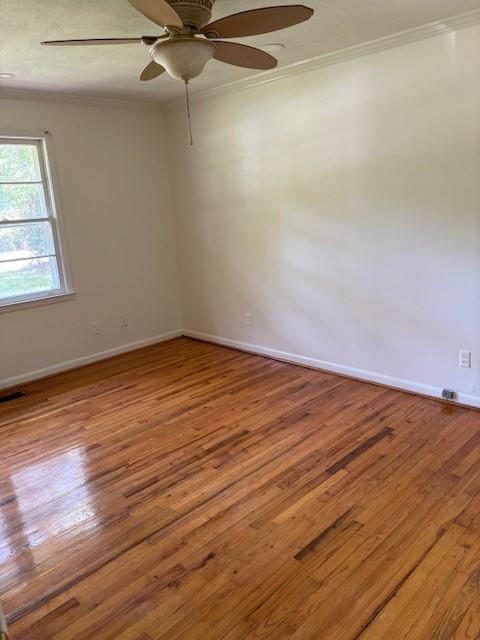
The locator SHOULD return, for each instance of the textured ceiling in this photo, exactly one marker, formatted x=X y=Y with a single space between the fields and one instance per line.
x=112 y=71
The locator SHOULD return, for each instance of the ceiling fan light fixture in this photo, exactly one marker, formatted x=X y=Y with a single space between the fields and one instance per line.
x=184 y=58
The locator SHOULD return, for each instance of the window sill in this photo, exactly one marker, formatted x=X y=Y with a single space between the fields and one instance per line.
x=36 y=302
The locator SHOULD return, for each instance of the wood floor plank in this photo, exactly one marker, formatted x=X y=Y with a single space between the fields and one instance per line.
x=188 y=491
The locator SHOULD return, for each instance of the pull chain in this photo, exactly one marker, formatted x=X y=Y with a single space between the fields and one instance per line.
x=188 y=114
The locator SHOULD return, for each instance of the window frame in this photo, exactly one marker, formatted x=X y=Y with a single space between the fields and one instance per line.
x=42 y=141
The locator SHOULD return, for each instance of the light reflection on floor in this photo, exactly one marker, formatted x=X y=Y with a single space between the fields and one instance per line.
x=52 y=497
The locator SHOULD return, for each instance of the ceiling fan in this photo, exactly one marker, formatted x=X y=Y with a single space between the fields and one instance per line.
x=190 y=40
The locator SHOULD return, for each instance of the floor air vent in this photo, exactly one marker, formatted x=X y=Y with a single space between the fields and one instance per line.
x=12 y=396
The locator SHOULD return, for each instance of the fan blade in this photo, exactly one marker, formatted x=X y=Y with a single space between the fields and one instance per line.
x=242 y=55
x=159 y=11
x=151 y=71
x=149 y=40
x=257 y=21
x=73 y=43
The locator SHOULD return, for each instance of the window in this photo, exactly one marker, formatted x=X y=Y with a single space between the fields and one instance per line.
x=32 y=263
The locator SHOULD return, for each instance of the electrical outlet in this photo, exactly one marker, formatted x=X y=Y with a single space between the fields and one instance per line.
x=123 y=320
x=465 y=359
x=249 y=319
x=96 y=328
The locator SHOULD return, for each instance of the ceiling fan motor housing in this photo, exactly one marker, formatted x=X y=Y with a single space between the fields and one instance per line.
x=194 y=13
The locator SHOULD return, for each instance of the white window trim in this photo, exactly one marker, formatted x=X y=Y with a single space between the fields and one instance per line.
x=52 y=197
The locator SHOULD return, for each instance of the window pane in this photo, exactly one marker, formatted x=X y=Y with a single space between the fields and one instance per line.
x=19 y=163
x=22 y=241
x=19 y=201
x=28 y=277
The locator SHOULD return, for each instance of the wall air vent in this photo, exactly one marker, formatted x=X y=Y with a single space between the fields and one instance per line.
x=448 y=394
x=12 y=396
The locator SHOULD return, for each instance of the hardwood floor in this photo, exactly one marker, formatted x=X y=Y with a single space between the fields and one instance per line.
x=188 y=491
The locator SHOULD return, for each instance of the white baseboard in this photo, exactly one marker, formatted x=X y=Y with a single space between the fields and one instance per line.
x=331 y=367
x=78 y=362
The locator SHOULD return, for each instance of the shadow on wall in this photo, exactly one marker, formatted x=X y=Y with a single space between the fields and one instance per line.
x=339 y=208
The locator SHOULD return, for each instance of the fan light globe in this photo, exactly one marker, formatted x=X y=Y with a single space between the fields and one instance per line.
x=183 y=58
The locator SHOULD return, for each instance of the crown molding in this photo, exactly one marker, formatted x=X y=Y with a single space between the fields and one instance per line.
x=32 y=95
x=439 y=27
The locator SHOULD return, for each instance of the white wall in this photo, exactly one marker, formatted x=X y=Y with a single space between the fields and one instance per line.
x=341 y=207
x=115 y=199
